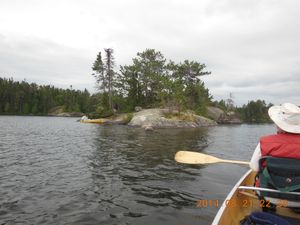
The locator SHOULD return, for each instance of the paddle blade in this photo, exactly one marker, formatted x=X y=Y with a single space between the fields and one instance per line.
x=195 y=158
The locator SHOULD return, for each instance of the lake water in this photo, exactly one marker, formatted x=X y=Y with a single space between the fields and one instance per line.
x=59 y=171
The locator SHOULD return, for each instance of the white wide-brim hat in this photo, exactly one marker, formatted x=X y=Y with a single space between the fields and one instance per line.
x=286 y=117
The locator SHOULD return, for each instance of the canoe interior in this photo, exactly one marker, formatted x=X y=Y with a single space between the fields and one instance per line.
x=239 y=205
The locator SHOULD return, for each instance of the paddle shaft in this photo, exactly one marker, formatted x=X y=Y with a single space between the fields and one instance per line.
x=200 y=158
x=234 y=161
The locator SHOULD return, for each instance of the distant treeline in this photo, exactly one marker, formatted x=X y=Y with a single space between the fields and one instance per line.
x=23 y=98
x=252 y=112
x=255 y=112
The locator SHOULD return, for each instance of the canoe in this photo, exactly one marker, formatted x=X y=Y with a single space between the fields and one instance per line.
x=241 y=201
x=98 y=121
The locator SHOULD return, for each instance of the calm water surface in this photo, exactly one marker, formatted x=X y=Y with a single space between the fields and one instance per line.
x=59 y=171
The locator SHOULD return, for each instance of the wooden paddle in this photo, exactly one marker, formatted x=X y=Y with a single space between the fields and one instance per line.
x=200 y=158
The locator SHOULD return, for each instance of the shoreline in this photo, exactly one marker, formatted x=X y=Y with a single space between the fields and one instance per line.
x=40 y=115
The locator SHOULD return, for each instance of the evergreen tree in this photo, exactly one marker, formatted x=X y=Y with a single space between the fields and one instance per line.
x=143 y=79
x=99 y=75
x=255 y=112
x=24 y=98
x=105 y=77
x=150 y=82
x=109 y=64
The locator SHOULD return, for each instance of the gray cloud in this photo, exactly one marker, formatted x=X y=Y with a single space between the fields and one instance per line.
x=251 y=47
x=44 y=62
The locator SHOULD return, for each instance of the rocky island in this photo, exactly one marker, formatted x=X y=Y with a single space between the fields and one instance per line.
x=150 y=119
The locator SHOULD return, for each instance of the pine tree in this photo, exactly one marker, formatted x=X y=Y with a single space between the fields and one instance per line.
x=99 y=75
x=109 y=64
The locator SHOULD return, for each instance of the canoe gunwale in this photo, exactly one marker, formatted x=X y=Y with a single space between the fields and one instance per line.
x=229 y=196
x=232 y=215
x=266 y=190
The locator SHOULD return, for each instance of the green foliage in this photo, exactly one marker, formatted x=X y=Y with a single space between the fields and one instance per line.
x=201 y=110
x=100 y=113
x=106 y=113
x=104 y=74
x=26 y=109
x=23 y=98
x=100 y=109
x=128 y=118
x=34 y=109
x=142 y=81
x=188 y=117
x=76 y=108
x=7 y=107
x=151 y=82
x=220 y=104
x=189 y=72
x=255 y=112
x=98 y=68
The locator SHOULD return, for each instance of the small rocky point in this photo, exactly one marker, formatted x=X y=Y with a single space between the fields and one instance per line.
x=150 y=119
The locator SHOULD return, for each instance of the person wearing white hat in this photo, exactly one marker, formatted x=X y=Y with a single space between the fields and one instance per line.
x=286 y=143
x=284 y=147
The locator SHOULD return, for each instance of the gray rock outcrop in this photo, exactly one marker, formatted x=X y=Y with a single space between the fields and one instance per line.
x=222 y=117
x=214 y=112
x=155 y=118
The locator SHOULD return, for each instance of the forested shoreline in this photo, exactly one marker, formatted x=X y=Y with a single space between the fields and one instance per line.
x=23 y=98
x=151 y=81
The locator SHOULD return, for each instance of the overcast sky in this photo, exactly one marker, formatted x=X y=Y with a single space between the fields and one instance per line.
x=252 y=47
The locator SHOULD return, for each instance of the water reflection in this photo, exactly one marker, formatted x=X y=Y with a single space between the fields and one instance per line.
x=58 y=171
x=133 y=170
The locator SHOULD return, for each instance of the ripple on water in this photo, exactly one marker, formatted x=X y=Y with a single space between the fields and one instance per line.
x=58 y=171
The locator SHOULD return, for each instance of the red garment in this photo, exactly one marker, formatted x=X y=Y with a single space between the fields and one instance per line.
x=284 y=145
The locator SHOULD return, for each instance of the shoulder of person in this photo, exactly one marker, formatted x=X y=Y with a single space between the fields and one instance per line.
x=280 y=136
x=268 y=137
